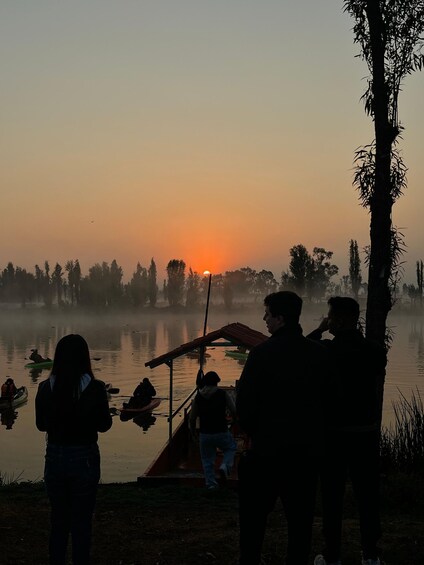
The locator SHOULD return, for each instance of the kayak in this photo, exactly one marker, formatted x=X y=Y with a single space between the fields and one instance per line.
x=19 y=398
x=111 y=389
x=240 y=355
x=47 y=364
x=130 y=413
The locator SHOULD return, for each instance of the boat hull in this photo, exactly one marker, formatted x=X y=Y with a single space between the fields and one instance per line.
x=130 y=413
x=19 y=398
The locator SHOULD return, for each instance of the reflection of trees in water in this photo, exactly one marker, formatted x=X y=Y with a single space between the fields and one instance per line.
x=152 y=338
x=174 y=334
x=193 y=327
x=19 y=334
x=416 y=337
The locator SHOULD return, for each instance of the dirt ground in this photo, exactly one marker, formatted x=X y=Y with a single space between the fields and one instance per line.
x=186 y=526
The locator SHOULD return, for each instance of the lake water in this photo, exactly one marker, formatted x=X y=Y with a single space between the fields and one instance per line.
x=124 y=343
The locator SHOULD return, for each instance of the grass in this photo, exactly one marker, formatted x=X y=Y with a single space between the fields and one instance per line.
x=187 y=526
x=402 y=444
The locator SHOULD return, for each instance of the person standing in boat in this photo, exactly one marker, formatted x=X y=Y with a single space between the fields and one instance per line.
x=8 y=389
x=352 y=429
x=278 y=407
x=72 y=407
x=211 y=405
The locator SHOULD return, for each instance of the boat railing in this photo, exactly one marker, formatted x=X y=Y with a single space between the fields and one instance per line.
x=181 y=406
x=173 y=413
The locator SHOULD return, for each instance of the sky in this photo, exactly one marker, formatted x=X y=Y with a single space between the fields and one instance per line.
x=218 y=132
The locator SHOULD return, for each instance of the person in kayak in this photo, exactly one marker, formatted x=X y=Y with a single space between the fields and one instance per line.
x=8 y=389
x=35 y=357
x=142 y=395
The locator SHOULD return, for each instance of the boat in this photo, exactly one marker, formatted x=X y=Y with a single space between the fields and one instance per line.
x=111 y=389
x=46 y=364
x=126 y=414
x=236 y=354
x=196 y=354
x=179 y=462
x=20 y=397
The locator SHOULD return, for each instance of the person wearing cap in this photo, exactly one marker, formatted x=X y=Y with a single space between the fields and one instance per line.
x=210 y=405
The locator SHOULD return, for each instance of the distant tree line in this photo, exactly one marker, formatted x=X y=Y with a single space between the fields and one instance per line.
x=310 y=274
x=66 y=286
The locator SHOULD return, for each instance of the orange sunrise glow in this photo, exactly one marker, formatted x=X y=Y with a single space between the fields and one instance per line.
x=222 y=140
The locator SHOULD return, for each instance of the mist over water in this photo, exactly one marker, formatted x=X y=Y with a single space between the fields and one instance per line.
x=120 y=344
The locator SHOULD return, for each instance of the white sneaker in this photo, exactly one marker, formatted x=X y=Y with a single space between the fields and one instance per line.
x=371 y=561
x=320 y=560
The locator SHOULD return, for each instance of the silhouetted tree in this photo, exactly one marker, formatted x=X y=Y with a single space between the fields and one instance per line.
x=138 y=286
x=74 y=279
x=420 y=275
x=193 y=289
x=319 y=272
x=354 y=268
x=390 y=35
x=228 y=294
x=240 y=281
x=152 y=284
x=24 y=285
x=57 y=281
x=176 y=278
x=265 y=283
x=114 y=286
x=299 y=268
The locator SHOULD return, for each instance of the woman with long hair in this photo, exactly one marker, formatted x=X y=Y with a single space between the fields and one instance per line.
x=72 y=407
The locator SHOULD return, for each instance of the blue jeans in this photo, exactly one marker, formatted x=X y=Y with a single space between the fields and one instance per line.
x=291 y=475
x=71 y=476
x=353 y=455
x=208 y=445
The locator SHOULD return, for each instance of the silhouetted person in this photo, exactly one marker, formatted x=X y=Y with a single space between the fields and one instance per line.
x=352 y=429
x=211 y=405
x=35 y=357
x=72 y=407
x=278 y=406
x=8 y=389
x=143 y=394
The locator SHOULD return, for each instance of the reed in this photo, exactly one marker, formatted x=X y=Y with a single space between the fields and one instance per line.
x=402 y=443
x=7 y=479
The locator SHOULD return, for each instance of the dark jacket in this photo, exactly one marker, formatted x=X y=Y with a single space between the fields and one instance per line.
x=279 y=392
x=91 y=415
x=357 y=367
x=211 y=405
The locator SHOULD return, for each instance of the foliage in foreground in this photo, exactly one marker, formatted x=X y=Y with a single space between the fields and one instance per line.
x=402 y=443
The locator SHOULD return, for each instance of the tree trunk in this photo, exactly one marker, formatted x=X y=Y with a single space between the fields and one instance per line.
x=379 y=298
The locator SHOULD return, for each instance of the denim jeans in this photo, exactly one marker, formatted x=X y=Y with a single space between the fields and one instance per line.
x=208 y=445
x=71 y=476
x=355 y=456
x=290 y=475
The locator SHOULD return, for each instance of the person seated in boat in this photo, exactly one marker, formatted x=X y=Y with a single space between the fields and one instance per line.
x=211 y=405
x=8 y=389
x=142 y=395
x=36 y=357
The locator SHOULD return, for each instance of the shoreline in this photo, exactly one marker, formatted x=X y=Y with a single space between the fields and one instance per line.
x=170 y=525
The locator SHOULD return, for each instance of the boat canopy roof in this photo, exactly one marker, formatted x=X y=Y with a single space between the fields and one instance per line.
x=236 y=333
